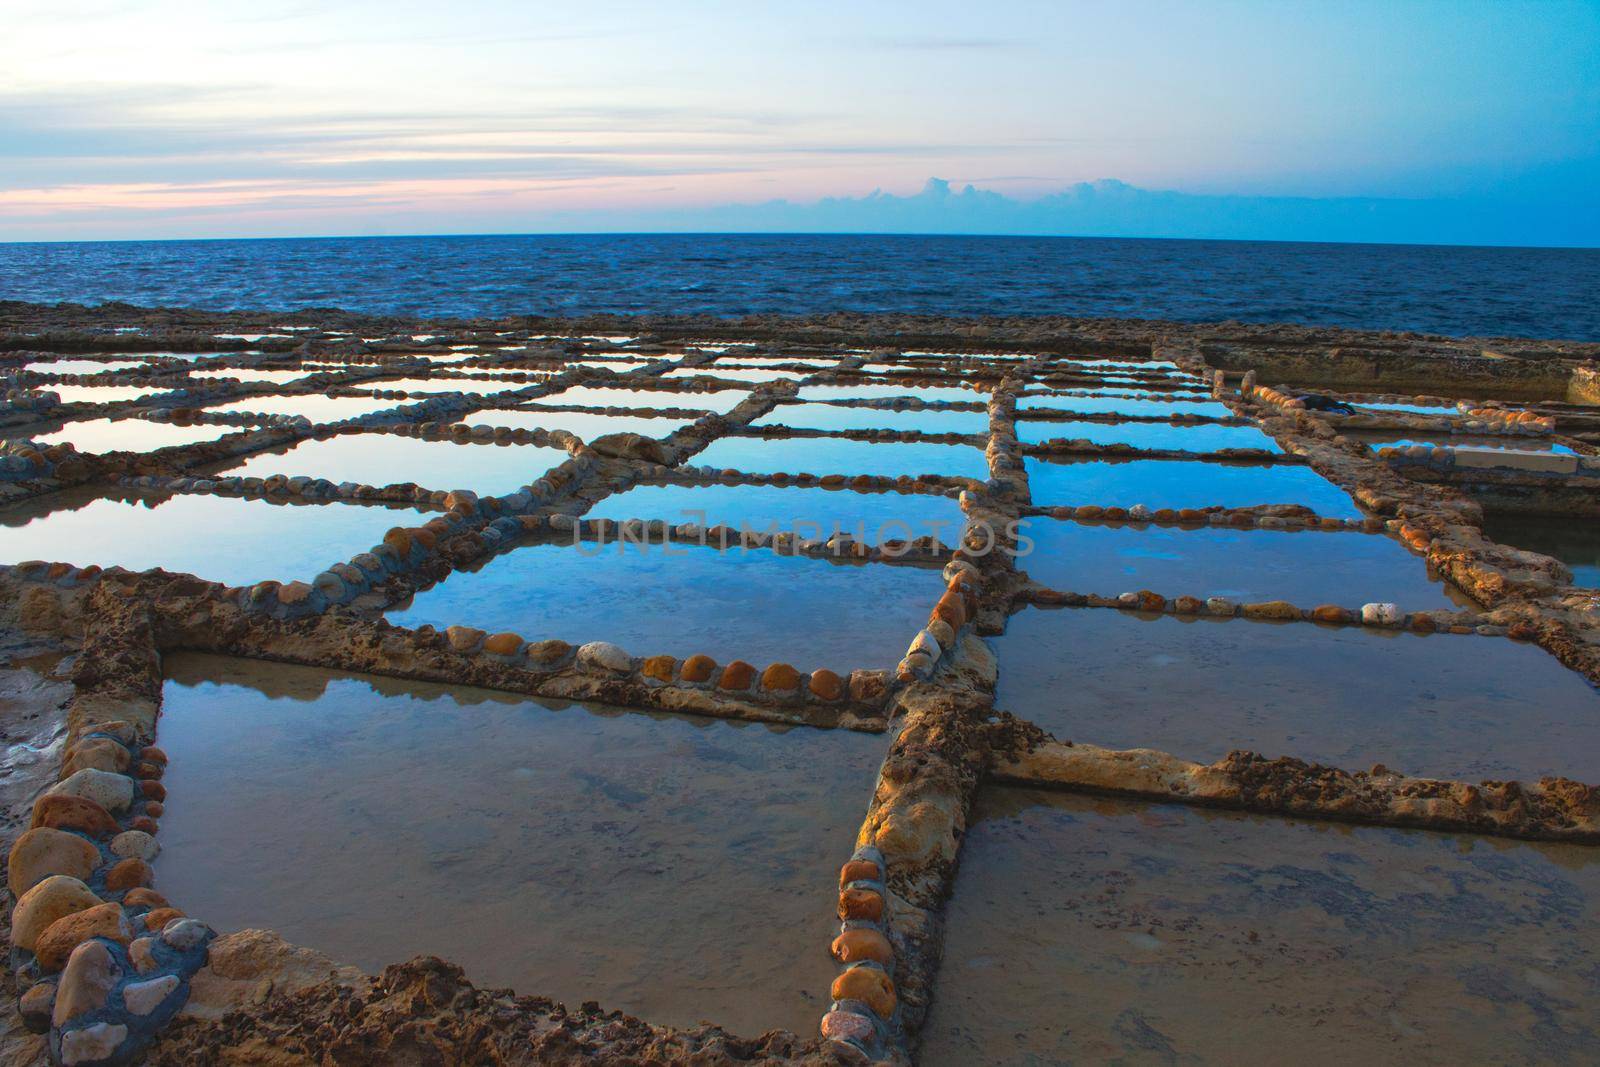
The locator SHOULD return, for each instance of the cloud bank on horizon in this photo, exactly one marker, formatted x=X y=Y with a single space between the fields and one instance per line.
x=1434 y=121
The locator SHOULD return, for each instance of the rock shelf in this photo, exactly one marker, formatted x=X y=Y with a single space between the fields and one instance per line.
x=493 y=455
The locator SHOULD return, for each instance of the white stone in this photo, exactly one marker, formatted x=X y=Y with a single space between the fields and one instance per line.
x=1221 y=605
x=135 y=844
x=185 y=934
x=142 y=998
x=114 y=792
x=91 y=1043
x=603 y=655
x=1381 y=614
x=925 y=644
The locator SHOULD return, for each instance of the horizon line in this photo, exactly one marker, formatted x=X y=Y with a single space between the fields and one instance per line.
x=794 y=233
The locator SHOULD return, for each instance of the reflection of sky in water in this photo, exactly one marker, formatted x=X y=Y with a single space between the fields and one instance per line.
x=432 y=386
x=315 y=406
x=760 y=506
x=834 y=417
x=249 y=374
x=82 y=366
x=1124 y=405
x=131 y=435
x=720 y=400
x=221 y=539
x=527 y=820
x=876 y=390
x=754 y=604
x=1444 y=705
x=1429 y=947
x=832 y=455
x=586 y=425
x=103 y=394
x=1196 y=438
x=1421 y=409
x=1167 y=483
x=1491 y=442
x=385 y=459
x=752 y=375
x=1249 y=565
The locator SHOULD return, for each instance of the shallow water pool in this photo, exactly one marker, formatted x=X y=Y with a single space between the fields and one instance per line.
x=1159 y=435
x=808 y=511
x=1170 y=483
x=720 y=401
x=317 y=407
x=587 y=425
x=540 y=844
x=1491 y=442
x=840 y=455
x=221 y=539
x=812 y=416
x=132 y=435
x=1574 y=541
x=1122 y=405
x=1148 y=933
x=1445 y=705
x=381 y=459
x=1306 y=568
x=755 y=605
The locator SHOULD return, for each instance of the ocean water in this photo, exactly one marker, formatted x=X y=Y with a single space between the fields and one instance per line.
x=1452 y=290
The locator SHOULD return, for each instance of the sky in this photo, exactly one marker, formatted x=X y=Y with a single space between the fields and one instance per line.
x=1460 y=122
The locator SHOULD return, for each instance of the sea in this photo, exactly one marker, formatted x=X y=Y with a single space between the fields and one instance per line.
x=1485 y=292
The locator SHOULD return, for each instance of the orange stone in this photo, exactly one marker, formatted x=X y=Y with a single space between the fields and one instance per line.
x=1114 y=513
x=399 y=540
x=424 y=537
x=780 y=678
x=145 y=823
x=61 y=812
x=859 y=871
x=154 y=808
x=698 y=668
x=853 y=946
x=860 y=904
x=129 y=874
x=1330 y=613
x=144 y=898
x=951 y=609
x=868 y=985
x=1089 y=511
x=826 y=685
x=70 y=931
x=157 y=918
x=152 y=754
x=737 y=676
x=659 y=668
x=153 y=790
x=502 y=644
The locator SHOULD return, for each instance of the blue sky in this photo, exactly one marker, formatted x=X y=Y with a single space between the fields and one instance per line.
x=1460 y=122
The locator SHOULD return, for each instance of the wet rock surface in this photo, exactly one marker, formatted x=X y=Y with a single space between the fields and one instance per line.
x=426 y=1011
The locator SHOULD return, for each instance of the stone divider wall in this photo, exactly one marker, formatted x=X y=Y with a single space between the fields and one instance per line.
x=1553 y=809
